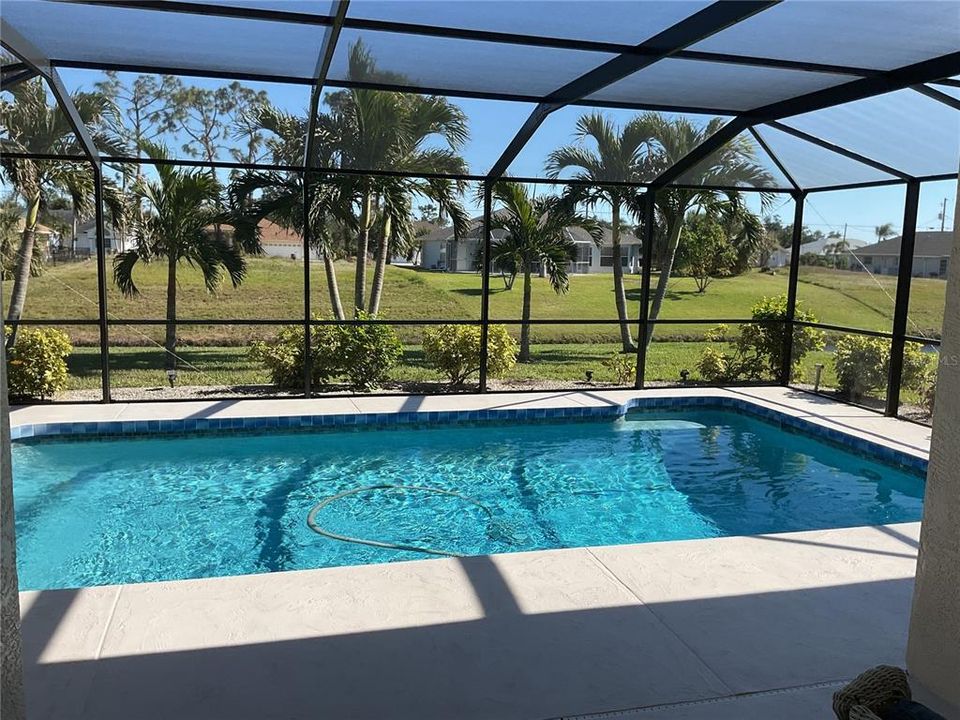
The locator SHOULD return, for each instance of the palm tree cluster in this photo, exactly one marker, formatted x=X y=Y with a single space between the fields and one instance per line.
x=188 y=217
x=354 y=213
x=636 y=153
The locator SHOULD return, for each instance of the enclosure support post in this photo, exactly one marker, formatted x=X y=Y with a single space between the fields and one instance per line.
x=101 y=283
x=307 y=354
x=649 y=223
x=795 y=241
x=907 y=244
x=485 y=282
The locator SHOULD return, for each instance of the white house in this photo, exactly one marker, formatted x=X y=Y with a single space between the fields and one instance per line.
x=781 y=256
x=441 y=251
x=87 y=239
x=278 y=242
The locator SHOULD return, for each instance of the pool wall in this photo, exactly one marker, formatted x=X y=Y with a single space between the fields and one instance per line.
x=125 y=428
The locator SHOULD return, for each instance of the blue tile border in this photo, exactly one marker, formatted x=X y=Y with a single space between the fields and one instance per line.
x=193 y=426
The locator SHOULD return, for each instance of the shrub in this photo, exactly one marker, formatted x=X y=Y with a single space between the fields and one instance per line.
x=37 y=364
x=363 y=354
x=368 y=353
x=758 y=351
x=713 y=366
x=282 y=356
x=454 y=351
x=863 y=365
x=624 y=367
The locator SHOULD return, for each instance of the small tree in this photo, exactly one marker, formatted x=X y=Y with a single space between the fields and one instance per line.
x=706 y=252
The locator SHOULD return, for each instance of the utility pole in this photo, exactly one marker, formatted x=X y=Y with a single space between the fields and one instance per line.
x=943 y=214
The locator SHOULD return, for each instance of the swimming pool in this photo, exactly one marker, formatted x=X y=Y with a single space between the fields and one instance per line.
x=145 y=508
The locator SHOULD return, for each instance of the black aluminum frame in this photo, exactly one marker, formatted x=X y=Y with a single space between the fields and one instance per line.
x=672 y=42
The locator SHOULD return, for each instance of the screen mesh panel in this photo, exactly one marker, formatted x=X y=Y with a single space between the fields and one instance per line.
x=616 y=21
x=880 y=35
x=692 y=83
x=812 y=166
x=905 y=130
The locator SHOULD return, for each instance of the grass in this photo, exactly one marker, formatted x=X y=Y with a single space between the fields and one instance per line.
x=563 y=353
x=272 y=291
x=568 y=362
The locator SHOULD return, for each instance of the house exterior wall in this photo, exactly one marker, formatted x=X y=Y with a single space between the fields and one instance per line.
x=933 y=649
x=284 y=251
x=924 y=267
x=436 y=255
x=87 y=240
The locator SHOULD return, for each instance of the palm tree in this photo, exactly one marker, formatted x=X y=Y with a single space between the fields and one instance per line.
x=619 y=156
x=884 y=231
x=34 y=126
x=535 y=232
x=180 y=213
x=279 y=196
x=667 y=141
x=380 y=130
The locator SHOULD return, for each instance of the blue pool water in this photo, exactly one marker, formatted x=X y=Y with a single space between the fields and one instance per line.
x=134 y=510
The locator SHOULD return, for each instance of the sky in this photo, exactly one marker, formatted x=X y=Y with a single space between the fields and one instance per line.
x=494 y=123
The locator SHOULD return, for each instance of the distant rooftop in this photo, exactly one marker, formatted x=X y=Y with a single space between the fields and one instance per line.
x=929 y=243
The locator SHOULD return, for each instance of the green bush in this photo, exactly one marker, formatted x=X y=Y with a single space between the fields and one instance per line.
x=368 y=353
x=454 y=351
x=624 y=367
x=282 y=356
x=362 y=354
x=757 y=353
x=863 y=365
x=37 y=364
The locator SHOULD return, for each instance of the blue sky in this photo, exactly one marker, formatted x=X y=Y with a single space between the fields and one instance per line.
x=493 y=124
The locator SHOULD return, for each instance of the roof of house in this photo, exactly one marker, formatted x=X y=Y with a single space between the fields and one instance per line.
x=929 y=243
x=273 y=234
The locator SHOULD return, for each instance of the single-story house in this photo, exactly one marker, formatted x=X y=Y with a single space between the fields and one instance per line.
x=279 y=242
x=931 y=255
x=781 y=256
x=87 y=239
x=440 y=251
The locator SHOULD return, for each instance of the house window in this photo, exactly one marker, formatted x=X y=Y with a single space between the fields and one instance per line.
x=943 y=266
x=868 y=259
x=606 y=257
x=584 y=253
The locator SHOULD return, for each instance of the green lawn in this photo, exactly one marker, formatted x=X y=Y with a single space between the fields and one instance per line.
x=564 y=362
x=273 y=291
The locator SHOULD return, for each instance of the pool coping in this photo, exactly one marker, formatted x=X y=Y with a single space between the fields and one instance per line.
x=570 y=406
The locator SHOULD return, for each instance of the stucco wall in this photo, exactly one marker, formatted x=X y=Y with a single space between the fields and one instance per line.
x=933 y=653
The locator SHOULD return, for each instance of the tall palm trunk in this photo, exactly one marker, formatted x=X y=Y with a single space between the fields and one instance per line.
x=619 y=292
x=363 y=243
x=383 y=254
x=21 y=277
x=666 y=268
x=525 y=317
x=170 y=342
x=331 y=271
x=11 y=663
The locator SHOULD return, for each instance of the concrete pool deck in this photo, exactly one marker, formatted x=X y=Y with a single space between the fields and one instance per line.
x=739 y=627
